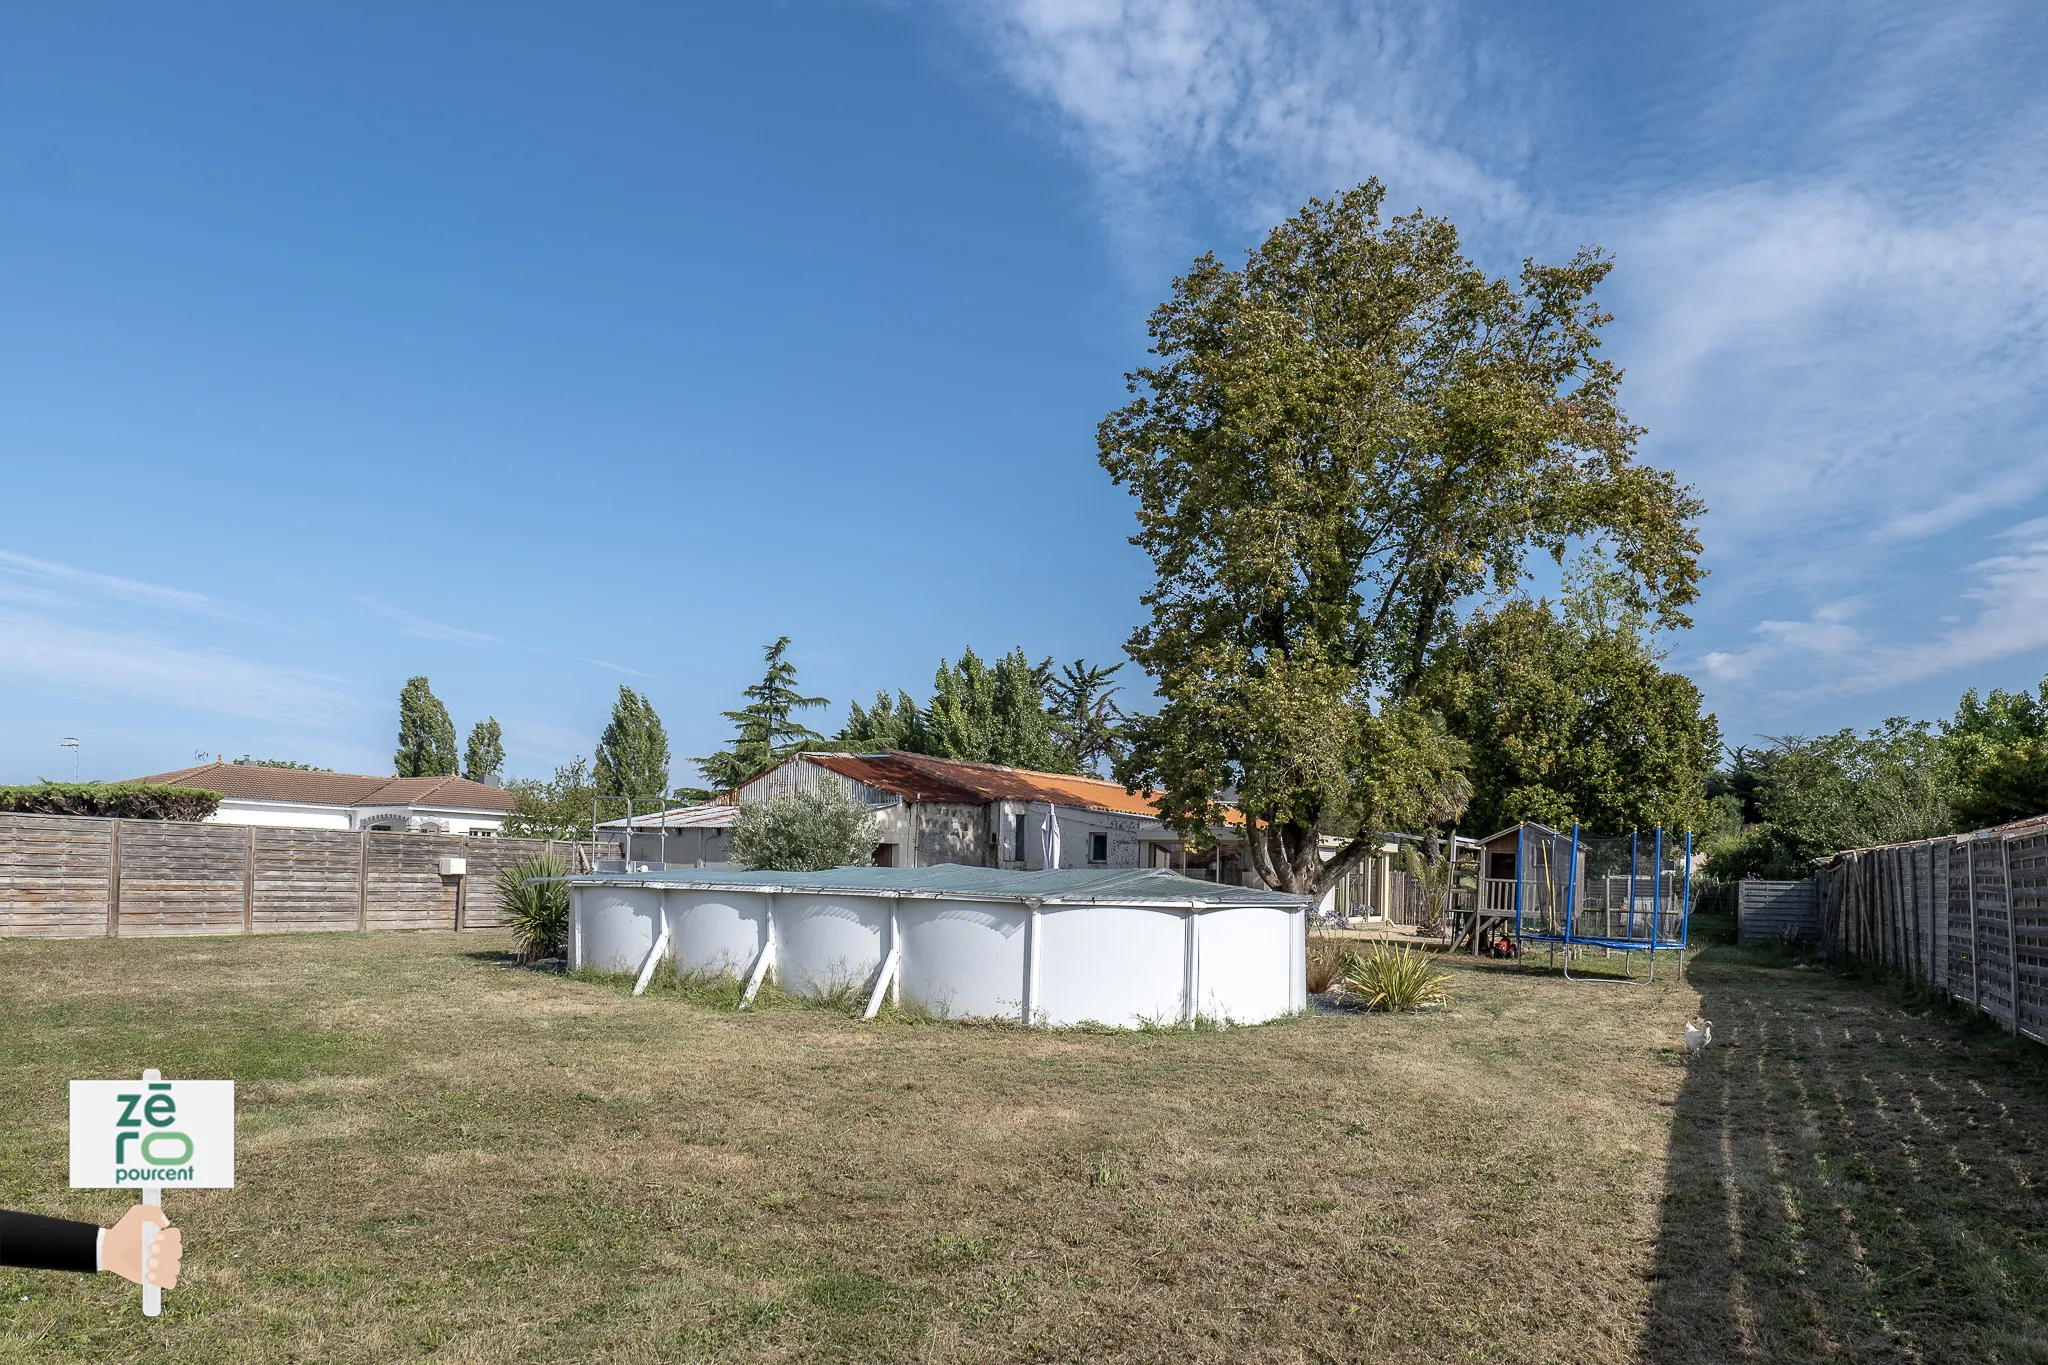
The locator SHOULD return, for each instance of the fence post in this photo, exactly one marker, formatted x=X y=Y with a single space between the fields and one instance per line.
x=363 y=884
x=114 y=882
x=249 y=883
x=2012 y=956
x=1970 y=889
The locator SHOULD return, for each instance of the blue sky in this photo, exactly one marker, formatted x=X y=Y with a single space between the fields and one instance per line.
x=545 y=349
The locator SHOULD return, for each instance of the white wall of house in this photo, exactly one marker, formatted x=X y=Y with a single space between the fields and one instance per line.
x=286 y=814
x=236 y=810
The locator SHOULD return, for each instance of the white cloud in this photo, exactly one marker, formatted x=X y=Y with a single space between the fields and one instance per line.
x=67 y=655
x=411 y=623
x=1832 y=279
x=128 y=589
x=1236 y=106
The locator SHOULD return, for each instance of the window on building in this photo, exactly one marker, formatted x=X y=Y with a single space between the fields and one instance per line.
x=1023 y=831
x=885 y=855
x=1098 y=848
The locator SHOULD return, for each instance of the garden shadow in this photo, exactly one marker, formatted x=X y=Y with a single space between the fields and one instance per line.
x=1852 y=1176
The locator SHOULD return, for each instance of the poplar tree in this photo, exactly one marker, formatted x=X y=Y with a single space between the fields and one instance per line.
x=632 y=753
x=484 y=756
x=426 y=736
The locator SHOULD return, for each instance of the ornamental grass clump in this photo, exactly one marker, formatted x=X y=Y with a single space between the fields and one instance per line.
x=1394 y=980
x=536 y=911
x=1325 y=965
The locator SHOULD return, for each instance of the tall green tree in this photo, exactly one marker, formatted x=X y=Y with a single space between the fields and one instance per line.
x=1570 y=716
x=891 y=723
x=992 y=713
x=426 y=737
x=1340 y=443
x=632 y=753
x=1997 y=747
x=483 y=758
x=768 y=730
x=1086 y=721
x=1818 y=795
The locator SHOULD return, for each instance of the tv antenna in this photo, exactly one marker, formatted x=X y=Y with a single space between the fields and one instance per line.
x=71 y=743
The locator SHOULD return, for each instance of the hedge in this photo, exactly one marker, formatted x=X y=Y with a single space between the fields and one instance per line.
x=122 y=800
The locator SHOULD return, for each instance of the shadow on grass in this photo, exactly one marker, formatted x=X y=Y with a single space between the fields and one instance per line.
x=1856 y=1173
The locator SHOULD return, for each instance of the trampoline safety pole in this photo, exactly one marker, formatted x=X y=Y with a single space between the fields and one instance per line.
x=1656 y=895
x=1571 y=895
x=1634 y=838
x=1685 y=910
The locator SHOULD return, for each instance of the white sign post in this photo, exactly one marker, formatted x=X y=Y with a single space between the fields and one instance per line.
x=148 y=1134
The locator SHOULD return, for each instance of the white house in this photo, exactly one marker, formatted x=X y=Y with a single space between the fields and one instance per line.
x=294 y=797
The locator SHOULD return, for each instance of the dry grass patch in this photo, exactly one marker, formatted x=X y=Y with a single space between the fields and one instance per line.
x=448 y=1158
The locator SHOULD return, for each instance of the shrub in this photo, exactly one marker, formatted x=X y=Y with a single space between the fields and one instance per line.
x=804 y=832
x=1395 y=980
x=120 y=800
x=1325 y=965
x=536 y=911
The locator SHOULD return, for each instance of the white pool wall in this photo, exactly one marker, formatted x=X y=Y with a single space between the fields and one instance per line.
x=1122 y=965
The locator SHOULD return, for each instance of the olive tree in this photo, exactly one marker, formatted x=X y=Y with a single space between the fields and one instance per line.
x=1336 y=445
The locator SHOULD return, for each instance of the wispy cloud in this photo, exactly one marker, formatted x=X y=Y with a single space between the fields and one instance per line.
x=1832 y=292
x=62 y=654
x=1234 y=107
x=410 y=623
x=127 y=589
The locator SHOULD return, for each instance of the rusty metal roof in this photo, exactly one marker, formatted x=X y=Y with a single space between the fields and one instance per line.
x=921 y=777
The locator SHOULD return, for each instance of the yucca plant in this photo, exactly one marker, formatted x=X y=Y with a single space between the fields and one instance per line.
x=537 y=912
x=1395 y=980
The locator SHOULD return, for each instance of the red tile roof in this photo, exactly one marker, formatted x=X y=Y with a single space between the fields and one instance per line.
x=920 y=777
x=247 y=782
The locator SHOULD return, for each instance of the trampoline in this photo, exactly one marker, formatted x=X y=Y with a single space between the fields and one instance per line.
x=1629 y=894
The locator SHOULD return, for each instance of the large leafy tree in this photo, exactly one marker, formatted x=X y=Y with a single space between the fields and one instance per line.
x=426 y=736
x=632 y=753
x=560 y=807
x=483 y=758
x=768 y=728
x=1818 y=795
x=1570 y=716
x=891 y=723
x=1997 y=746
x=1338 y=444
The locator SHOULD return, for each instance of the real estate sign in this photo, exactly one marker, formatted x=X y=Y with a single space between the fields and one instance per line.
x=152 y=1133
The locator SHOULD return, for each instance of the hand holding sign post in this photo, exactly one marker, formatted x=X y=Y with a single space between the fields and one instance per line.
x=148 y=1135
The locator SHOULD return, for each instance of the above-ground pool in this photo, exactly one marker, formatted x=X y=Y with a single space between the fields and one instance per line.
x=1114 y=947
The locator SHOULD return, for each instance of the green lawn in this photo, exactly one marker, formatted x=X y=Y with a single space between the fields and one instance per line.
x=446 y=1158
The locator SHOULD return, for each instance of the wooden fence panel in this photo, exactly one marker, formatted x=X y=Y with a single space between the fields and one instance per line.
x=181 y=878
x=1771 y=911
x=407 y=890
x=54 y=875
x=78 y=877
x=2029 y=864
x=307 y=879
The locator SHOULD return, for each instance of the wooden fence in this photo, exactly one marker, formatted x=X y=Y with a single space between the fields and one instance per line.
x=1967 y=914
x=84 y=877
x=1768 y=912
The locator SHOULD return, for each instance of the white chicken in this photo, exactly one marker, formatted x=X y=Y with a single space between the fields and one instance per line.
x=1698 y=1034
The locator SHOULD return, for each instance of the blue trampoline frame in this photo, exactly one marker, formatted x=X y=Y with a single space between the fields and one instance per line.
x=1630 y=945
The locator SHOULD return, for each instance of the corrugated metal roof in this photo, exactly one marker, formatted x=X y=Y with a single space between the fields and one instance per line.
x=711 y=815
x=1067 y=886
